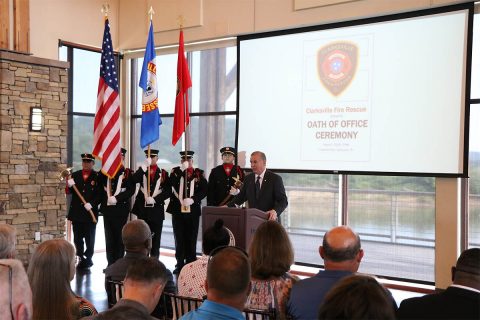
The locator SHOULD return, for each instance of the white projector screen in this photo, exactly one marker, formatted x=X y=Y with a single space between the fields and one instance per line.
x=384 y=96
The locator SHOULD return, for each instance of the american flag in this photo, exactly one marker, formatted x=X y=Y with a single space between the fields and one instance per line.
x=106 y=138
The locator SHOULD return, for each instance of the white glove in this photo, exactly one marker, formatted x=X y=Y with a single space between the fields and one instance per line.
x=87 y=206
x=70 y=182
x=111 y=201
x=188 y=202
x=184 y=165
x=150 y=200
x=234 y=191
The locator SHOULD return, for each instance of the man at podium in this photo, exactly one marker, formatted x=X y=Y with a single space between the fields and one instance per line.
x=263 y=189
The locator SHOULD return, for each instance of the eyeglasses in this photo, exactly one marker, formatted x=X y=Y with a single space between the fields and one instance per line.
x=10 y=285
x=220 y=248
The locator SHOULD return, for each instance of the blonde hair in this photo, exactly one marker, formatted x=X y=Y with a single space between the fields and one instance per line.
x=50 y=272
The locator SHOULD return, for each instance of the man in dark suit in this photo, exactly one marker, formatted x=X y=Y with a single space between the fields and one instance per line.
x=149 y=204
x=461 y=300
x=189 y=187
x=114 y=195
x=83 y=226
x=222 y=178
x=263 y=189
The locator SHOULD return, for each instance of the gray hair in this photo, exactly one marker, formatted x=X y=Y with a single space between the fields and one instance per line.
x=21 y=292
x=8 y=236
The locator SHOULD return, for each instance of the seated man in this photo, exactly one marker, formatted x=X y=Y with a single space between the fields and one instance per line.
x=143 y=286
x=461 y=300
x=8 y=236
x=228 y=284
x=15 y=293
x=341 y=253
x=137 y=239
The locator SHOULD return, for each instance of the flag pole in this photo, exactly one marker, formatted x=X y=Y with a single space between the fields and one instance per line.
x=187 y=136
x=150 y=13
x=105 y=10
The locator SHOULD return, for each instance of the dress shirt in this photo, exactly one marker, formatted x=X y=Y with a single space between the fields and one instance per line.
x=212 y=310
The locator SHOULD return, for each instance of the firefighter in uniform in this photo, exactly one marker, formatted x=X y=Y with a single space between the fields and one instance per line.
x=222 y=179
x=150 y=206
x=114 y=195
x=83 y=226
x=189 y=187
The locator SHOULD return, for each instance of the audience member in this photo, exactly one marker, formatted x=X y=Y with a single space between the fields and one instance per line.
x=51 y=268
x=227 y=286
x=357 y=297
x=15 y=293
x=8 y=237
x=461 y=300
x=143 y=286
x=191 y=282
x=137 y=240
x=271 y=255
x=341 y=252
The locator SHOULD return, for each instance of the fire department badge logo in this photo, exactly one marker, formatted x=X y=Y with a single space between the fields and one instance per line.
x=336 y=65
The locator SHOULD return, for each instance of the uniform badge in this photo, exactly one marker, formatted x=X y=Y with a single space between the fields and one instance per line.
x=336 y=65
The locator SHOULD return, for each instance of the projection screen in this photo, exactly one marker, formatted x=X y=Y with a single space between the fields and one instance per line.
x=384 y=95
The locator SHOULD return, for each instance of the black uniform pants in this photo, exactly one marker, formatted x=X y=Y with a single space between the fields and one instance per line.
x=156 y=228
x=113 y=236
x=84 y=231
x=185 y=231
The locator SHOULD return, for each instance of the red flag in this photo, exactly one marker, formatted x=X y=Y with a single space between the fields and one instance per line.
x=106 y=136
x=181 y=117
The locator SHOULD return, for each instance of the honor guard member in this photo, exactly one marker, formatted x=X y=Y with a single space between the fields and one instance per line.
x=222 y=179
x=189 y=187
x=83 y=226
x=114 y=195
x=149 y=206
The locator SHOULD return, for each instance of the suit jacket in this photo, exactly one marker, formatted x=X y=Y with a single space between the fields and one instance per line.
x=157 y=212
x=453 y=303
x=122 y=208
x=219 y=183
x=272 y=193
x=199 y=191
x=88 y=189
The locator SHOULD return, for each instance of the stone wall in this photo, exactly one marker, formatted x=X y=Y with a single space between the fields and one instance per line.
x=32 y=199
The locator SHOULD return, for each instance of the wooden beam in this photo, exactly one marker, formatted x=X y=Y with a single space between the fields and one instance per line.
x=4 y=24
x=21 y=13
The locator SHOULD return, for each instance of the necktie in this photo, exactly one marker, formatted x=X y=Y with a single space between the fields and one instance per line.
x=257 y=187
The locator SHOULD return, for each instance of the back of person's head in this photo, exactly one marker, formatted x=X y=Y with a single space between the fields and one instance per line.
x=144 y=282
x=215 y=236
x=357 y=297
x=271 y=252
x=15 y=293
x=8 y=236
x=146 y=270
x=136 y=236
x=467 y=269
x=341 y=249
x=228 y=272
x=51 y=268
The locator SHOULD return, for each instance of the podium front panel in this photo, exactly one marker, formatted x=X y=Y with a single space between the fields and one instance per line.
x=242 y=222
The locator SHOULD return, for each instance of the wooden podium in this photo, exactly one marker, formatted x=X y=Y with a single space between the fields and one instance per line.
x=241 y=221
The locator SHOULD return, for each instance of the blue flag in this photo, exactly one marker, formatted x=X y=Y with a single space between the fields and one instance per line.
x=150 y=130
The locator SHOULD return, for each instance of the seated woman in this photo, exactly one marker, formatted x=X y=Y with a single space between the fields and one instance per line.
x=191 y=281
x=271 y=255
x=357 y=297
x=50 y=271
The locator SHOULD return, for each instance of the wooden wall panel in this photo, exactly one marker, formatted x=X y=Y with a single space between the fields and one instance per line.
x=4 y=24
x=21 y=12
